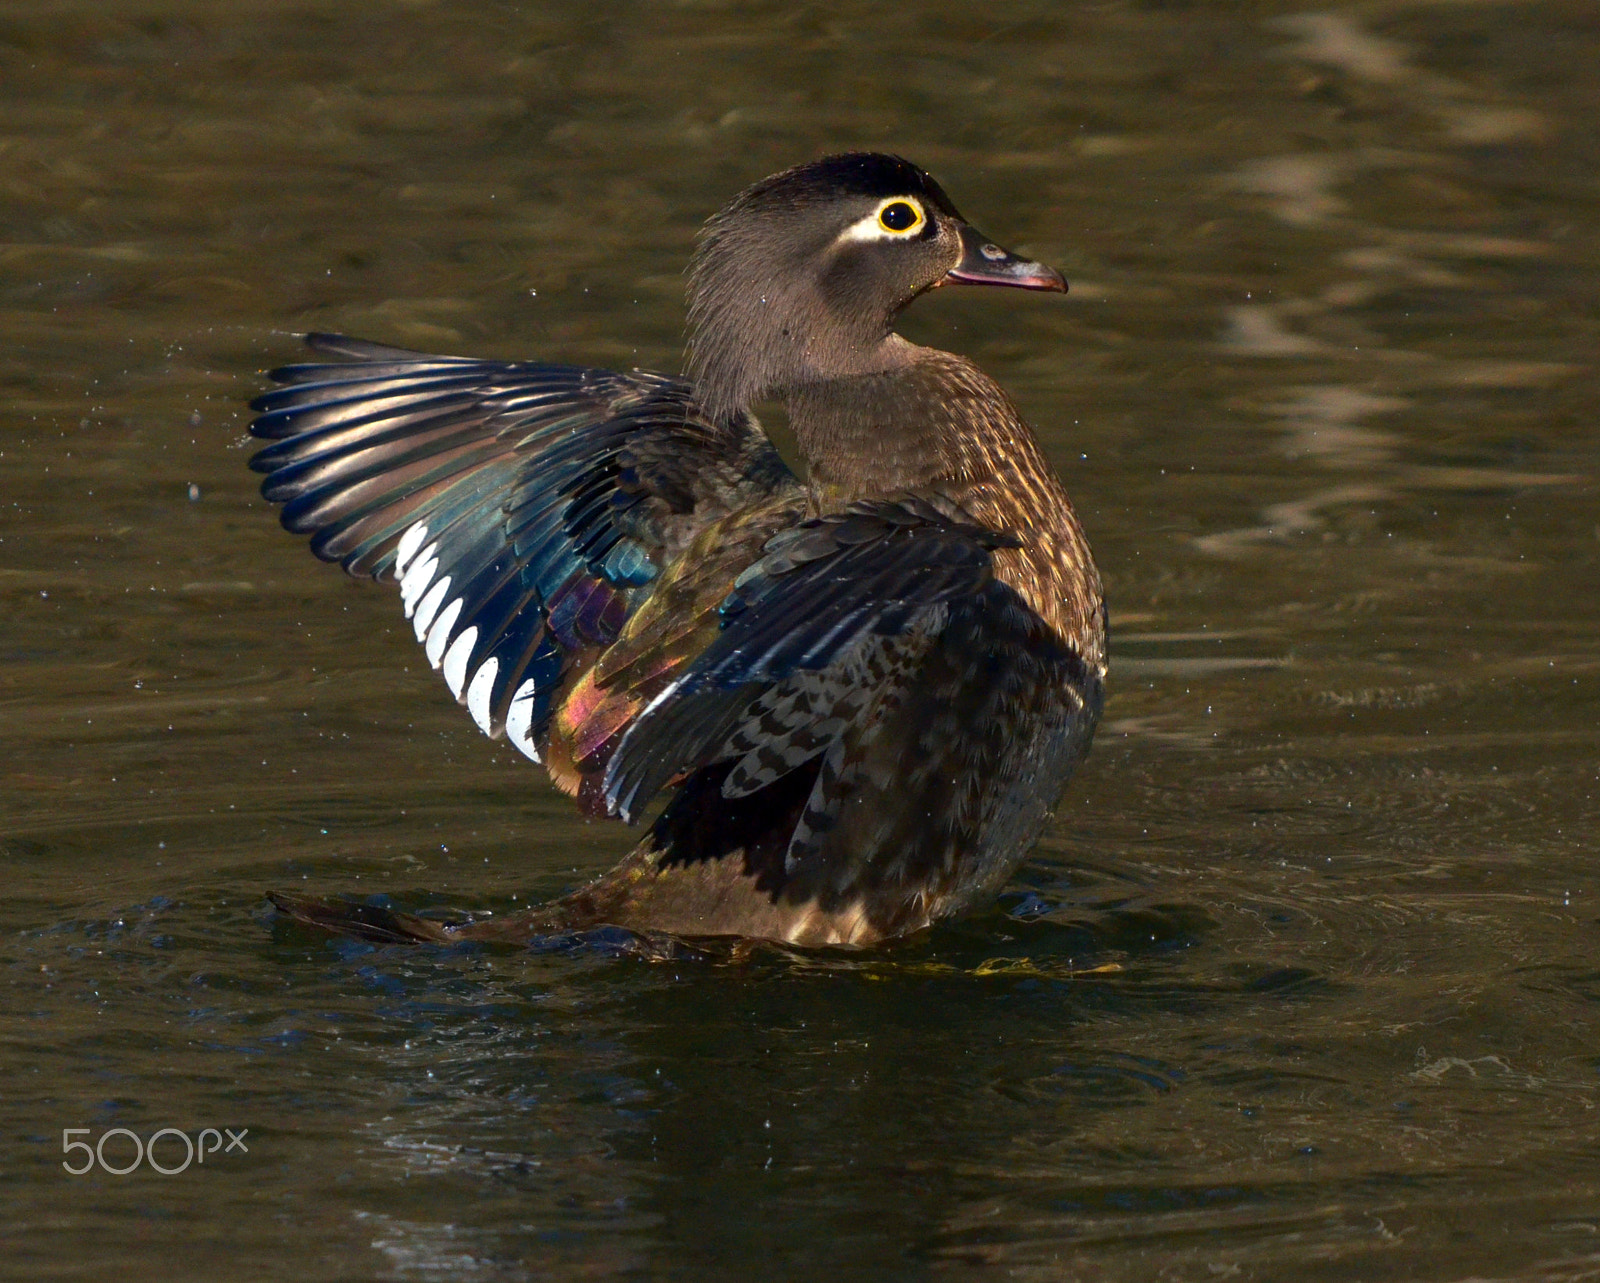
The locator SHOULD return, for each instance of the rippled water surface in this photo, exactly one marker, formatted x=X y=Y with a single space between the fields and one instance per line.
x=1301 y=983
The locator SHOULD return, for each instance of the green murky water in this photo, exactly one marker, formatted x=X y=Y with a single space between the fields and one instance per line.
x=1303 y=982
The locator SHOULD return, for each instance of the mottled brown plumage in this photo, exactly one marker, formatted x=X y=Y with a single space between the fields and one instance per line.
x=866 y=688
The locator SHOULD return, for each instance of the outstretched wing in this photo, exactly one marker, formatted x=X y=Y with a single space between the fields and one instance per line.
x=526 y=510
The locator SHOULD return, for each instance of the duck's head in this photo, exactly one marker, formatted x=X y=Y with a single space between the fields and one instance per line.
x=801 y=277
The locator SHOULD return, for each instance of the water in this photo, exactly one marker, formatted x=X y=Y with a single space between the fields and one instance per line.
x=1301 y=984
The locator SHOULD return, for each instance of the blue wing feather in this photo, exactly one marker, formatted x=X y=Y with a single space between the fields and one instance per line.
x=530 y=528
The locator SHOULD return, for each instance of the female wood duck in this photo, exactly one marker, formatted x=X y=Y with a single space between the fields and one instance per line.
x=864 y=689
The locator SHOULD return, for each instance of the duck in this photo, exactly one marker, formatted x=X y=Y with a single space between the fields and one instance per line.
x=841 y=700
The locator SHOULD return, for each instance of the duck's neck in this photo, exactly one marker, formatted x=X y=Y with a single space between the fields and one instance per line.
x=924 y=420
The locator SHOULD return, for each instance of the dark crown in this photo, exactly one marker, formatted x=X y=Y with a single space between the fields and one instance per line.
x=857 y=173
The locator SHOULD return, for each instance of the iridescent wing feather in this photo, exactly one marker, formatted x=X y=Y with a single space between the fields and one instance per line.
x=524 y=509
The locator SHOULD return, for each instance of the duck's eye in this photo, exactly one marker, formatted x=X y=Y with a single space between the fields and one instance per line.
x=899 y=216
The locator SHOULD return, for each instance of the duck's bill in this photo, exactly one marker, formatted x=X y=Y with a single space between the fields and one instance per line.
x=985 y=263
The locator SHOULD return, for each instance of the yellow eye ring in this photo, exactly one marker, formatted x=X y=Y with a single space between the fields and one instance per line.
x=900 y=216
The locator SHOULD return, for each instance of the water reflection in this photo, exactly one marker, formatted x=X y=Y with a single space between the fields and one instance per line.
x=1327 y=422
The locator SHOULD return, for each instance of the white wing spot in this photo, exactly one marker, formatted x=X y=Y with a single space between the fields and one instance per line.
x=409 y=543
x=481 y=692
x=454 y=666
x=439 y=634
x=519 y=721
x=428 y=607
x=418 y=577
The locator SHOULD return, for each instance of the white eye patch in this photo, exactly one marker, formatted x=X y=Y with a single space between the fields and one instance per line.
x=897 y=218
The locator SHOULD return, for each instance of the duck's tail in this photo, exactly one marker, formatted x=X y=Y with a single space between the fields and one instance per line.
x=358 y=919
x=576 y=919
x=364 y=921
